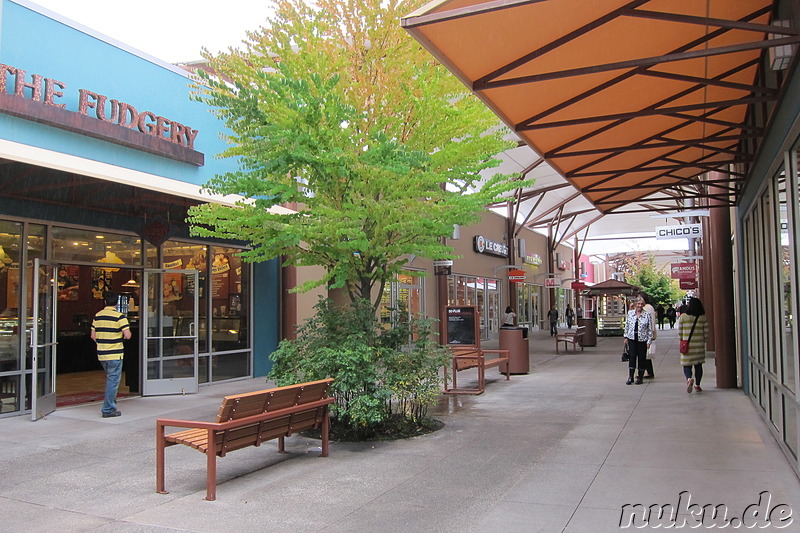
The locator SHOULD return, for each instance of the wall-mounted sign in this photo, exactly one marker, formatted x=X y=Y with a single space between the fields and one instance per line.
x=682 y=231
x=516 y=275
x=683 y=271
x=687 y=284
x=482 y=245
x=442 y=262
x=552 y=282
x=36 y=98
x=578 y=285
x=532 y=259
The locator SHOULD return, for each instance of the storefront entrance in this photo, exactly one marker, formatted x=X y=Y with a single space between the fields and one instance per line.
x=160 y=358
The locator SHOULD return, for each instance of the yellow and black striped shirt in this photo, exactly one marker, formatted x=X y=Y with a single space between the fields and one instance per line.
x=108 y=326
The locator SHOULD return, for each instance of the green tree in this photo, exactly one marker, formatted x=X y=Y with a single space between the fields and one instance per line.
x=644 y=273
x=336 y=111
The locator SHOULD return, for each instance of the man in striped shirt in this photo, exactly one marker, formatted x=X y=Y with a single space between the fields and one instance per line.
x=109 y=329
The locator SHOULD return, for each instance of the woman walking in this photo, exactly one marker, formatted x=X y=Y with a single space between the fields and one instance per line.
x=693 y=326
x=638 y=335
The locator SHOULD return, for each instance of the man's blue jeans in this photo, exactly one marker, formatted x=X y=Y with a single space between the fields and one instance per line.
x=113 y=374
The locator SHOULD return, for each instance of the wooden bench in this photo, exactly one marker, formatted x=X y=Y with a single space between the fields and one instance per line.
x=465 y=357
x=248 y=420
x=571 y=336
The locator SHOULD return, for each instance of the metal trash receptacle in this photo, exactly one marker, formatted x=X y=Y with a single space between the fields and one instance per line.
x=590 y=333
x=515 y=340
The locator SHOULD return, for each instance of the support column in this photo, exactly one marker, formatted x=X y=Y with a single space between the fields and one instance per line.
x=707 y=281
x=724 y=320
x=289 y=307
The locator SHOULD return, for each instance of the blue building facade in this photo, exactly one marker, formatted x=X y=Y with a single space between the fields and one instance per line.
x=102 y=151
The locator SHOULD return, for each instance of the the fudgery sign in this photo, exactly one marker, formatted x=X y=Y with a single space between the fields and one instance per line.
x=34 y=97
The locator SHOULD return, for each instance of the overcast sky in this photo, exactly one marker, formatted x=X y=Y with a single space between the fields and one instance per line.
x=171 y=30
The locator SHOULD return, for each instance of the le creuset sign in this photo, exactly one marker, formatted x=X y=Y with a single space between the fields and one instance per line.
x=482 y=245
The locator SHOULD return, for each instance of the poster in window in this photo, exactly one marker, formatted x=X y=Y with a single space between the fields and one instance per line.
x=67 y=280
x=220 y=276
x=101 y=282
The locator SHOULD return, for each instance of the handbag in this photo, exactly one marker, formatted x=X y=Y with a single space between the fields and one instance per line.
x=684 y=345
x=625 y=355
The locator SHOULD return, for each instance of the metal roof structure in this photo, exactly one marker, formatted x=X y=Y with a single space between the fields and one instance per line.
x=625 y=108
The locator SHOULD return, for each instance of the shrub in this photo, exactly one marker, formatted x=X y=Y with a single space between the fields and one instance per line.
x=385 y=378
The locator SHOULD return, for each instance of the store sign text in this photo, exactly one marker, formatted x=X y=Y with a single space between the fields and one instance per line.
x=486 y=246
x=683 y=231
x=44 y=104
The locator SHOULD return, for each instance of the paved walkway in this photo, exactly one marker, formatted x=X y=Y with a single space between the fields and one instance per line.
x=561 y=449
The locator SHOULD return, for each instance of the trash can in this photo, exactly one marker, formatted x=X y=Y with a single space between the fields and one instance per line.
x=590 y=333
x=515 y=340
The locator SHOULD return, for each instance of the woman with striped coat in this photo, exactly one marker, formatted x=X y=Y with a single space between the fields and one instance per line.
x=694 y=359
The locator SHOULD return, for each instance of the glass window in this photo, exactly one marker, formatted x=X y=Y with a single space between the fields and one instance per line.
x=188 y=256
x=406 y=294
x=230 y=290
x=95 y=247
x=785 y=264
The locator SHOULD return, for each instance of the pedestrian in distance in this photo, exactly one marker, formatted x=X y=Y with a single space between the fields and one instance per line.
x=638 y=335
x=693 y=326
x=109 y=329
x=660 y=315
x=570 y=315
x=671 y=316
x=552 y=316
x=509 y=317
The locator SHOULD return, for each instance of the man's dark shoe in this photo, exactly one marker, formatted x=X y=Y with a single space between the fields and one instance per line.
x=111 y=415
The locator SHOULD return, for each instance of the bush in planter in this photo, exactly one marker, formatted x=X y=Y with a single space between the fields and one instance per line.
x=385 y=379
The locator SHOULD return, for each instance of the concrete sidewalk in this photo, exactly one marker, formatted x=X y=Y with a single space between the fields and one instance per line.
x=561 y=449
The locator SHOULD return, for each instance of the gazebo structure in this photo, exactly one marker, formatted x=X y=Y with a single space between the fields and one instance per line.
x=610 y=302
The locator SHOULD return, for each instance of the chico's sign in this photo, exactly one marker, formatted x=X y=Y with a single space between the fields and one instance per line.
x=682 y=231
x=41 y=101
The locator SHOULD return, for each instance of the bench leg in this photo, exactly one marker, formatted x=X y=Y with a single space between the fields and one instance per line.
x=160 y=460
x=326 y=423
x=281 y=445
x=211 y=468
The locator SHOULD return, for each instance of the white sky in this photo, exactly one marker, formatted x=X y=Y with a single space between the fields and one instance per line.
x=171 y=30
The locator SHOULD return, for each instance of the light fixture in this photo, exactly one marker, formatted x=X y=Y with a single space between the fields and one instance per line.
x=132 y=283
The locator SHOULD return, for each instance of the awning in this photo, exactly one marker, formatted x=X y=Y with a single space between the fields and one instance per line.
x=630 y=101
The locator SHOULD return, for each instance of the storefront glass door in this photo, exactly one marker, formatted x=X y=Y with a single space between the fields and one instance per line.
x=169 y=327
x=43 y=340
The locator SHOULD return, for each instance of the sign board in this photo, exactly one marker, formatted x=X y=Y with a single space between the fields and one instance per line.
x=516 y=275
x=578 y=285
x=482 y=245
x=95 y=115
x=687 y=284
x=683 y=270
x=552 y=282
x=532 y=259
x=682 y=231
x=442 y=262
x=462 y=325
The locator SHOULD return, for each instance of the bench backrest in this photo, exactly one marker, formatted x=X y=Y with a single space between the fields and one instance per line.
x=465 y=356
x=255 y=403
